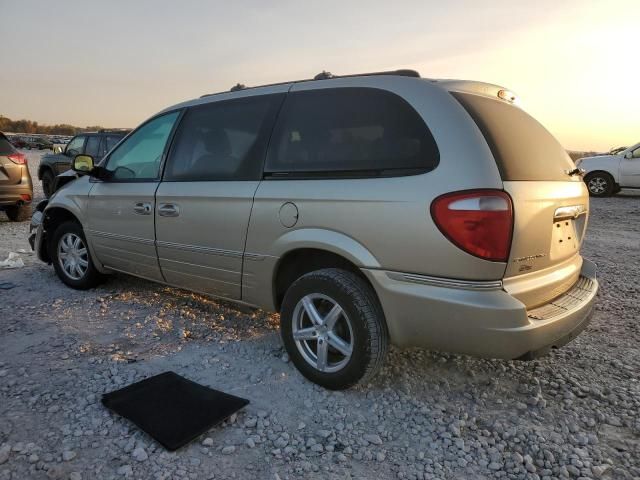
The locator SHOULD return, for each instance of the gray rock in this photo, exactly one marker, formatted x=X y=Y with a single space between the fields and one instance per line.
x=207 y=442
x=228 y=450
x=68 y=455
x=5 y=450
x=140 y=454
x=125 y=470
x=373 y=438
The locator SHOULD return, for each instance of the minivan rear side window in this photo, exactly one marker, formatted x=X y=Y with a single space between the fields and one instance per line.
x=224 y=140
x=350 y=132
x=6 y=148
x=523 y=149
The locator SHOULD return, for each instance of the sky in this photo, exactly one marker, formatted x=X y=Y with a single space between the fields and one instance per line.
x=574 y=64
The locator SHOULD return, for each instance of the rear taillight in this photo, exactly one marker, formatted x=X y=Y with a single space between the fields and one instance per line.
x=18 y=158
x=480 y=222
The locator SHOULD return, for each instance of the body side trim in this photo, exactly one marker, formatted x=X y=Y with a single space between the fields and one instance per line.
x=446 y=282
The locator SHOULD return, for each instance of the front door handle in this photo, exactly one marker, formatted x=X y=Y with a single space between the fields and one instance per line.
x=168 y=210
x=142 y=208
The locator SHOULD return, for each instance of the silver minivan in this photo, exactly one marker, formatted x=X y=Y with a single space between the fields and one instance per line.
x=368 y=210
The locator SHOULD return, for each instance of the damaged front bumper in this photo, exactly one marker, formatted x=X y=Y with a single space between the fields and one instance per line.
x=37 y=234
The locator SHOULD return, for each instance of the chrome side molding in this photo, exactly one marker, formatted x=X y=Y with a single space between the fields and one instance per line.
x=446 y=282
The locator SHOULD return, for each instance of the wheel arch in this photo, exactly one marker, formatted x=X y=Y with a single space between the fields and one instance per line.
x=312 y=252
x=57 y=214
x=613 y=175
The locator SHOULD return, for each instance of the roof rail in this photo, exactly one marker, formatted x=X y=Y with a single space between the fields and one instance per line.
x=324 y=75
x=114 y=130
x=400 y=73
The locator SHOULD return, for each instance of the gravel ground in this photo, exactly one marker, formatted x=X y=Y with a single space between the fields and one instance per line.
x=574 y=413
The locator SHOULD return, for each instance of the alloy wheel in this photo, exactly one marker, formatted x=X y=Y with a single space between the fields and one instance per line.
x=597 y=185
x=322 y=332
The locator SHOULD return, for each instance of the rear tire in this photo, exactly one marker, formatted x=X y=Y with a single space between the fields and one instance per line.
x=47 y=183
x=600 y=184
x=19 y=213
x=336 y=351
x=71 y=258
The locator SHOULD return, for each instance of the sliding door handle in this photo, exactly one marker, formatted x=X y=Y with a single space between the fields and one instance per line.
x=142 y=208
x=168 y=210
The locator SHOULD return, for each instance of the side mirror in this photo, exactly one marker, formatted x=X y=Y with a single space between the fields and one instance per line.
x=628 y=155
x=82 y=164
x=57 y=150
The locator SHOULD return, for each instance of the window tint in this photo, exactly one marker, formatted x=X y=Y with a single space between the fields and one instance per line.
x=224 y=140
x=344 y=130
x=92 y=146
x=523 y=149
x=74 y=147
x=138 y=158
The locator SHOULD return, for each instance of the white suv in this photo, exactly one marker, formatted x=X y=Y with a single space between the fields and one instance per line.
x=607 y=174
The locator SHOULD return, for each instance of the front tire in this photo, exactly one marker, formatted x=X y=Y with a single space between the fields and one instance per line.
x=19 y=213
x=47 y=183
x=333 y=328
x=71 y=257
x=600 y=184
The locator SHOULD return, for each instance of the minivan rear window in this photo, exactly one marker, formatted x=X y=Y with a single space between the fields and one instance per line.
x=350 y=131
x=6 y=148
x=523 y=149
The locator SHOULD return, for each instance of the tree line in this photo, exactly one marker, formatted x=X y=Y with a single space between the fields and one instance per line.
x=29 y=126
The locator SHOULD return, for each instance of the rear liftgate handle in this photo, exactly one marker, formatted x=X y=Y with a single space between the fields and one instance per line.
x=168 y=210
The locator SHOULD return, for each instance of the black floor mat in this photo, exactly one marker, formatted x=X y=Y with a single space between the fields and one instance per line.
x=172 y=409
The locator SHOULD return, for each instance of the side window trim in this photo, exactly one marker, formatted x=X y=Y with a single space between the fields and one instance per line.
x=158 y=178
x=101 y=147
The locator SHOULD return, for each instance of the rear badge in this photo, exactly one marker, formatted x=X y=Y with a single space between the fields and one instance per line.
x=529 y=257
x=525 y=268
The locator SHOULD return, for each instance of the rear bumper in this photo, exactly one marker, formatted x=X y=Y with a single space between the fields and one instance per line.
x=11 y=194
x=480 y=318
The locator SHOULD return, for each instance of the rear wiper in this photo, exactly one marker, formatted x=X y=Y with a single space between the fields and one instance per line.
x=575 y=171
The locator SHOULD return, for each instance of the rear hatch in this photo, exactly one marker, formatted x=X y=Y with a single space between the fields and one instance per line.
x=550 y=206
x=11 y=163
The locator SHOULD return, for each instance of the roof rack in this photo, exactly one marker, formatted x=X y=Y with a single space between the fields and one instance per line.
x=324 y=75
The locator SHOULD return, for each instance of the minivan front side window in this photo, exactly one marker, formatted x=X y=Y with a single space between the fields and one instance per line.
x=225 y=140
x=139 y=156
x=359 y=131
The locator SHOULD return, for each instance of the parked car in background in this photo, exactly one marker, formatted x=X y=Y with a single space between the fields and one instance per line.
x=608 y=174
x=96 y=144
x=38 y=143
x=368 y=210
x=59 y=142
x=18 y=142
x=16 y=190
